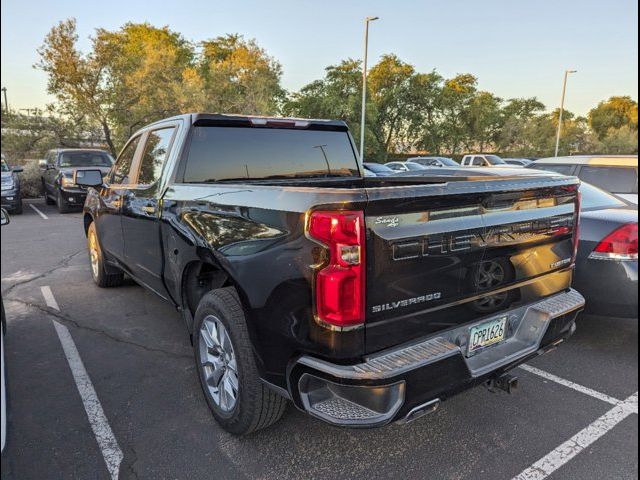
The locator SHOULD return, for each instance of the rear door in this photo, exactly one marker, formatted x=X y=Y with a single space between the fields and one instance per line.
x=441 y=260
x=140 y=209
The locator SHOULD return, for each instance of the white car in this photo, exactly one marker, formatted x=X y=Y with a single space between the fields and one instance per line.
x=484 y=160
x=405 y=166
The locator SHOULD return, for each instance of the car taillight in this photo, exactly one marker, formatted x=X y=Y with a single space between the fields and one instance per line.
x=621 y=244
x=340 y=281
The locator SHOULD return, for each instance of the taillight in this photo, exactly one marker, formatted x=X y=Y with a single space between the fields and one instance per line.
x=621 y=244
x=340 y=281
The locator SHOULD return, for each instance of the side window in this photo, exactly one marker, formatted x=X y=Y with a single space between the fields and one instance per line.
x=611 y=179
x=155 y=153
x=123 y=164
x=478 y=161
x=561 y=169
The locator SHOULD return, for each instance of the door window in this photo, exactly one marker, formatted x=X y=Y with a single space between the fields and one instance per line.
x=611 y=179
x=478 y=161
x=155 y=153
x=122 y=168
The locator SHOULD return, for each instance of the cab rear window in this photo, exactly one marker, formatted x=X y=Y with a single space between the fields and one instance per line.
x=611 y=179
x=246 y=153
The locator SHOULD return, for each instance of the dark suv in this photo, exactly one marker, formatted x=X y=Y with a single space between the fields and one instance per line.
x=11 y=197
x=58 y=168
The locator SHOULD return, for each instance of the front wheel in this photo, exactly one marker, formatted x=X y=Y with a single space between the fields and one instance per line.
x=238 y=399
x=96 y=257
x=63 y=207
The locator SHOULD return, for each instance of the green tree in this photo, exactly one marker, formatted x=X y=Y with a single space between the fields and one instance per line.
x=614 y=113
x=623 y=140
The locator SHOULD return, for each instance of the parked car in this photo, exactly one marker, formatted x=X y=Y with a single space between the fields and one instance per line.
x=616 y=174
x=483 y=160
x=58 y=168
x=11 y=195
x=362 y=300
x=434 y=161
x=518 y=162
x=607 y=264
x=378 y=169
x=405 y=166
x=3 y=389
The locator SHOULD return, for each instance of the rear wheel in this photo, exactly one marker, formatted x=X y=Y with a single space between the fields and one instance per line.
x=96 y=258
x=18 y=209
x=238 y=399
x=47 y=199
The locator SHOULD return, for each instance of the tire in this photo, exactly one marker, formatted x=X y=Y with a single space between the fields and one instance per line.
x=47 y=199
x=18 y=209
x=63 y=207
x=96 y=261
x=255 y=405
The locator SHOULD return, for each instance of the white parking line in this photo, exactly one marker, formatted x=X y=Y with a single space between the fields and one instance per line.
x=576 y=444
x=97 y=419
x=37 y=210
x=570 y=384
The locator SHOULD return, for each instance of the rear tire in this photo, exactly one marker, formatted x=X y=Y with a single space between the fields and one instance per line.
x=96 y=259
x=47 y=199
x=224 y=358
x=18 y=209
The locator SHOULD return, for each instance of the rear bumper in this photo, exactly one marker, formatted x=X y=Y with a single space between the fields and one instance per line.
x=406 y=382
x=610 y=287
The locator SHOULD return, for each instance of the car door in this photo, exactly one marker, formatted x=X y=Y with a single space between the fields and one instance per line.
x=140 y=209
x=49 y=172
x=108 y=221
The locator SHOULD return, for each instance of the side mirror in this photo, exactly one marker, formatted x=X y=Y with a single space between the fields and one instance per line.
x=88 y=178
x=5 y=217
x=42 y=164
x=17 y=169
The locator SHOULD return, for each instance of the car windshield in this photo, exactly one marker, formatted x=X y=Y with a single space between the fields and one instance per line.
x=594 y=198
x=377 y=167
x=5 y=167
x=447 y=162
x=413 y=166
x=494 y=160
x=85 y=159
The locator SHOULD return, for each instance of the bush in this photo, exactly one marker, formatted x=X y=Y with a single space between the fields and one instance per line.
x=31 y=180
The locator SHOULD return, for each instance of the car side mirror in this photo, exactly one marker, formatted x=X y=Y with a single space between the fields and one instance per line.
x=5 y=217
x=88 y=178
x=42 y=164
x=17 y=169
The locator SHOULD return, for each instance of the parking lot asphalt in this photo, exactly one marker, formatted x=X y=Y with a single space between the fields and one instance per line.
x=573 y=417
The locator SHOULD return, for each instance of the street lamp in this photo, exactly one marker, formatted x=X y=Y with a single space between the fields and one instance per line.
x=364 y=82
x=564 y=92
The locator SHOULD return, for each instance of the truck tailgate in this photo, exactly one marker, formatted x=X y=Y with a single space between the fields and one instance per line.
x=440 y=256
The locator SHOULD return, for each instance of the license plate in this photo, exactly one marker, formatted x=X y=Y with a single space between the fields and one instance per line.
x=485 y=334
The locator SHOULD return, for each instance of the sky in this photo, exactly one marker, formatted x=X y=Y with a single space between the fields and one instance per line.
x=516 y=48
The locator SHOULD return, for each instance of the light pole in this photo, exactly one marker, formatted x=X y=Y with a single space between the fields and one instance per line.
x=6 y=104
x=364 y=83
x=564 y=92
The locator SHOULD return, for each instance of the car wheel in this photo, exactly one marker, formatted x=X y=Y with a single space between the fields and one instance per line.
x=63 y=207
x=47 y=199
x=238 y=399
x=96 y=259
x=18 y=209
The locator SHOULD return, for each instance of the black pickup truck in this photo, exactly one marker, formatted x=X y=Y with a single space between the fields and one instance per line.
x=362 y=300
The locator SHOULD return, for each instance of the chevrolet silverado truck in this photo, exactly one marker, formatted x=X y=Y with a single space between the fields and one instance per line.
x=361 y=300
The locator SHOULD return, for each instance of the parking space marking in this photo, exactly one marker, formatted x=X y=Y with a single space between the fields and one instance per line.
x=567 y=383
x=37 y=210
x=107 y=442
x=49 y=299
x=583 y=439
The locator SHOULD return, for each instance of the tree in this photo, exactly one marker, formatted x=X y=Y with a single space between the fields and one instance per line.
x=614 y=113
x=623 y=140
x=239 y=76
x=457 y=96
